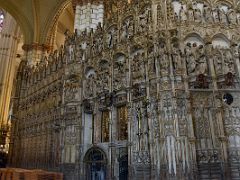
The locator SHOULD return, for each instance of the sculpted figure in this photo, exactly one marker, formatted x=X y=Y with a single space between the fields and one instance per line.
x=112 y=38
x=143 y=20
x=176 y=17
x=223 y=16
x=127 y=29
x=190 y=14
x=215 y=13
x=235 y=50
x=160 y=15
x=238 y=18
x=177 y=59
x=218 y=63
x=55 y=55
x=50 y=58
x=119 y=74
x=232 y=17
x=138 y=66
x=163 y=58
x=187 y=49
x=151 y=62
x=71 y=52
x=197 y=15
x=201 y=60
x=130 y=28
x=228 y=62
x=100 y=44
x=79 y=54
x=89 y=86
x=202 y=65
x=94 y=49
x=191 y=64
x=207 y=13
x=190 y=59
x=183 y=15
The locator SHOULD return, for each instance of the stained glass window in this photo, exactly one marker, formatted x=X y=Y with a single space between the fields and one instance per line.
x=1 y=19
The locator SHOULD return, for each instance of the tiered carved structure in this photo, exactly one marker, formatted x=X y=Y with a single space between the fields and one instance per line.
x=151 y=94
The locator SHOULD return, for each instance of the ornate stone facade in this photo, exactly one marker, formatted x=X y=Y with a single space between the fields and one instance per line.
x=151 y=94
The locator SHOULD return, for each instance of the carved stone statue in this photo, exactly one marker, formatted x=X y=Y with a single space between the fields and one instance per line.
x=216 y=13
x=207 y=13
x=223 y=17
x=190 y=14
x=232 y=17
x=202 y=65
x=197 y=15
x=228 y=62
x=177 y=59
x=218 y=63
x=182 y=14
x=89 y=86
x=163 y=59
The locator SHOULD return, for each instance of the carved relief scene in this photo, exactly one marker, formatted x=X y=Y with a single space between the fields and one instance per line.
x=151 y=93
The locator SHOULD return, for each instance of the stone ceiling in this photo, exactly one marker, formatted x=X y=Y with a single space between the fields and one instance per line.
x=38 y=19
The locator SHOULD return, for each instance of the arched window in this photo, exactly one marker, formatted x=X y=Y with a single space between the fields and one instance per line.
x=1 y=19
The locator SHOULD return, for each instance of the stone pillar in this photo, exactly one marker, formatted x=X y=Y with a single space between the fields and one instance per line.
x=88 y=15
x=9 y=39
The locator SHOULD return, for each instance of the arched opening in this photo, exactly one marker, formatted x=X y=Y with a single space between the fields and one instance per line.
x=220 y=41
x=65 y=22
x=194 y=39
x=95 y=164
x=62 y=21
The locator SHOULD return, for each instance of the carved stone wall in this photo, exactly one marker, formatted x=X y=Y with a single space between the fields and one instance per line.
x=168 y=72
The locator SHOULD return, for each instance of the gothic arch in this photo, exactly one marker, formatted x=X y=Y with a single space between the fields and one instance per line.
x=102 y=63
x=224 y=2
x=220 y=40
x=111 y=26
x=136 y=48
x=88 y=71
x=119 y=57
x=48 y=34
x=98 y=149
x=194 y=37
x=95 y=161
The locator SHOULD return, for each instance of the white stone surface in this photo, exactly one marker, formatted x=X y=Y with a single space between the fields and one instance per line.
x=88 y=16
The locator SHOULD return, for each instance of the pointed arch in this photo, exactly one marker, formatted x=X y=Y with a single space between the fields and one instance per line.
x=194 y=38
x=220 y=40
x=48 y=32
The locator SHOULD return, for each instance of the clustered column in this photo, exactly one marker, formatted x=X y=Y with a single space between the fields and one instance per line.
x=8 y=46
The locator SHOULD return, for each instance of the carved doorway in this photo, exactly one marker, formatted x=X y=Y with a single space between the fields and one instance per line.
x=95 y=164
x=123 y=163
x=123 y=167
